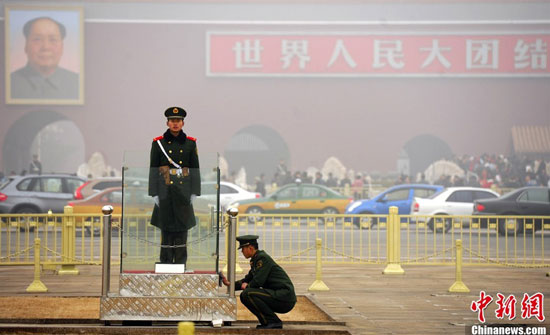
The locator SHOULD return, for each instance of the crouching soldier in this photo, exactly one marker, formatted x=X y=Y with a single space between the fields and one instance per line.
x=267 y=289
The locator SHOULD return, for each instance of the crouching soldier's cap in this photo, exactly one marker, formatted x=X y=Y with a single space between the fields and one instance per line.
x=245 y=240
x=175 y=113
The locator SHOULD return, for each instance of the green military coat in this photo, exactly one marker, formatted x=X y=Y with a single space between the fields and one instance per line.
x=265 y=273
x=175 y=211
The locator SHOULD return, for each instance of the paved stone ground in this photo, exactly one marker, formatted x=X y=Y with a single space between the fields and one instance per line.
x=369 y=302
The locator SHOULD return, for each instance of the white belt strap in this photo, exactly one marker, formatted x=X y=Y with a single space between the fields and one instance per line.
x=169 y=159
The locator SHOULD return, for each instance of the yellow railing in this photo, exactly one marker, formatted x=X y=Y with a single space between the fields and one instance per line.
x=73 y=239
x=516 y=241
x=65 y=238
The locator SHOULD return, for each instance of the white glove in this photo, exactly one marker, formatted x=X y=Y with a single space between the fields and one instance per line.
x=193 y=197
x=157 y=201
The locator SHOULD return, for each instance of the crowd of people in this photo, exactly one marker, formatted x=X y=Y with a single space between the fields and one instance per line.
x=504 y=171
x=487 y=170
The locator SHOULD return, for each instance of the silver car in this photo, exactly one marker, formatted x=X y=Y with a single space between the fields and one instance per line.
x=38 y=193
x=229 y=193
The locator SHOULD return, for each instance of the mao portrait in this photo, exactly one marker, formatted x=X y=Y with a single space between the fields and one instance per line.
x=44 y=56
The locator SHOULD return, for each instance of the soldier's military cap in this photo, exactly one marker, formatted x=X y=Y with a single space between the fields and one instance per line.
x=175 y=113
x=245 y=240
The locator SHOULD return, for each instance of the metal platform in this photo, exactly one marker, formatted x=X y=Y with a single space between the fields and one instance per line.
x=168 y=297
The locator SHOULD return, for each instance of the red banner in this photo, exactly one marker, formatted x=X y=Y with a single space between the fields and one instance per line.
x=377 y=55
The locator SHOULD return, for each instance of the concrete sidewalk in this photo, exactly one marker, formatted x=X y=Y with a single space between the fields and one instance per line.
x=369 y=302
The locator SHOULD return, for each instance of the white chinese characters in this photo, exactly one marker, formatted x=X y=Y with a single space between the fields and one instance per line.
x=248 y=54
x=436 y=52
x=373 y=54
x=291 y=49
x=533 y=56
x=481 y=54
x=390 y=52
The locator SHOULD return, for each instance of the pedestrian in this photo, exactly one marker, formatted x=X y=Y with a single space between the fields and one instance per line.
x=36 y=166
x=530 y=181
x=174 y=181
x=345 y=181
x=422 y=179
x=331 y=181
x=260 y=184
x=306 y=179
x=319 y=179
x=267 y=289
x=357 y=187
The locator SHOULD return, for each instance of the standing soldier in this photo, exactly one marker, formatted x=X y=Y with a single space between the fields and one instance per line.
x=174 y=181
x=267 y=289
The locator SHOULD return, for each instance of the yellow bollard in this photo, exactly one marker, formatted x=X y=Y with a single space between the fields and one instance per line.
x=318 y=284
x=186 y=328
x=393 y=244
x=37 y=285
x=68 y=233
x=458 y=285
x=47 y=265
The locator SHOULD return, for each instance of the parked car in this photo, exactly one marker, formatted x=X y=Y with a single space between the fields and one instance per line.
x=525 y=201
x=400 y=196
x=96 y=185
x=296 y=199
x=136 y=201
x=229 y=193
x=38 y=193
x=449 y=201
x=138 y=204
x=93 y=204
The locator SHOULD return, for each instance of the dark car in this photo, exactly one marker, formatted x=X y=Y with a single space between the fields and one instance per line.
x=38 y=193
x=520 y=205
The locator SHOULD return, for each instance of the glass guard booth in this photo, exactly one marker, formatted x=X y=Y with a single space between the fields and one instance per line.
x=149 y=288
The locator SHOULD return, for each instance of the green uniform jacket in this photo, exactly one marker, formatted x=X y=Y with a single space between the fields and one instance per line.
x=265 y=273
x=176 y=211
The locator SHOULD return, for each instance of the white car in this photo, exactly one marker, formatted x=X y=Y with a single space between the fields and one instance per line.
x=452 y=201
x=229 y=193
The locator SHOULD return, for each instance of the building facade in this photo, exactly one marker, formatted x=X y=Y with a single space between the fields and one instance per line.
x=371 y=83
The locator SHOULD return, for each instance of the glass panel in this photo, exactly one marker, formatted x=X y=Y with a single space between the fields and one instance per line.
x=484 y=195
x=536 y=194
x=397 y=195
x=461 y=196
x=311 y=192
x=24 y=185
x=290 y=192
x=423 y=192
x=53 y=185
x=227 y=190
x=73 y=184
x=141 y=236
